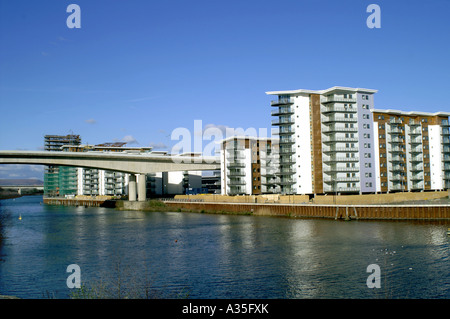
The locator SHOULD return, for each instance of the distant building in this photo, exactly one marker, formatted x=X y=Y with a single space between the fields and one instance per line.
x=412 y=150
x=99 y=182
x=60 y=181
x=249 y=166
x=212 y=182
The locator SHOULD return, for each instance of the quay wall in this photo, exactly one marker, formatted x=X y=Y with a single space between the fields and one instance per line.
x=93 y=202
x=321 y=199
x=422 y=212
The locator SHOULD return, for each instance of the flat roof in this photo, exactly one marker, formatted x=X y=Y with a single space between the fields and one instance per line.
x=334 y=88
x=410 y=113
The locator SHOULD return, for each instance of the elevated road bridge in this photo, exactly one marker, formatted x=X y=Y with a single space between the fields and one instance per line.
x=135 y=164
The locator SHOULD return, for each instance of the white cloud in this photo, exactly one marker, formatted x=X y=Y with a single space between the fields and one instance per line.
x=129 y=139
x=90 y=121
x=21 y=171
x=158 y=146
x=214 y=129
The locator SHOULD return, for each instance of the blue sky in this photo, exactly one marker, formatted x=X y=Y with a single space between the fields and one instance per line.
x=138 y=69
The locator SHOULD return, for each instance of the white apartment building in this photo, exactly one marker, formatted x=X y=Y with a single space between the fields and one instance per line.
x=248 y=165
x=326 y=140
x=98 y=182
x=412 y=150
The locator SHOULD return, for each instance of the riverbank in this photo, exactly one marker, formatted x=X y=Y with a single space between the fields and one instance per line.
x=427 y=206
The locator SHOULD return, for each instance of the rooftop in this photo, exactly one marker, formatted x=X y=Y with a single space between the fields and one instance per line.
x=411 y=113
x=332 y=89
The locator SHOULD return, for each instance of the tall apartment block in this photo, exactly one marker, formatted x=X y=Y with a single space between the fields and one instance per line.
x=248 y=165
x=60 y=180
x=334 y=141
x=326 y=140
x=412 y=150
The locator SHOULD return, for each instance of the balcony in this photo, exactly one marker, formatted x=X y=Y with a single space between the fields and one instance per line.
x=235 y=157
x=396 y=150
x=396 y=131
x=283 y=121
x=283 y=101
x=236 y=164
x=286 y=140
x=333 y=139
x=285 y=130
x=398 y=188
x=415 y=150
x=334 y=119
x=236 y=173
x=416 y=159
x=333 y=129
x=333 y=169
x=282 y=111
x=416 y=178
x=397 y=179
x=446 y=158
x=340 y=149
x=287 y=161
x=340 y=179
x=338 y=109
x=397 y=159
x=286 y=171
x=333 y=99
x=395 y=121
x=341 y=159
x=236 y=182
x=415 y=132
x=445 y=123
x=343 y=189
x=418 y=168
x=286 y=151
x=415 y=141
x=397 y=168
x=235 y=190
x=287 y=181
x=396 y=140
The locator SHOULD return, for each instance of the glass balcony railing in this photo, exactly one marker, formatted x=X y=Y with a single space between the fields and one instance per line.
x=340 y=99
x=340 y=159
x=338 y=109
x=334 y=129
x=339 y=119
x=282 y=111
x=282 y=101
x=283 y=121
x=340 y=149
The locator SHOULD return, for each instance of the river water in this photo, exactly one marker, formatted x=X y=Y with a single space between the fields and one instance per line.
x=189 y=255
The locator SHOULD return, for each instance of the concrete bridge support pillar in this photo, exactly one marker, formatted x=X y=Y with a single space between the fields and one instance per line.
x=132 y=188
x=142 y=187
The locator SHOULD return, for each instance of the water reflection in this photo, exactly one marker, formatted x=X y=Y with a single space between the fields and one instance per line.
x=221 y=256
